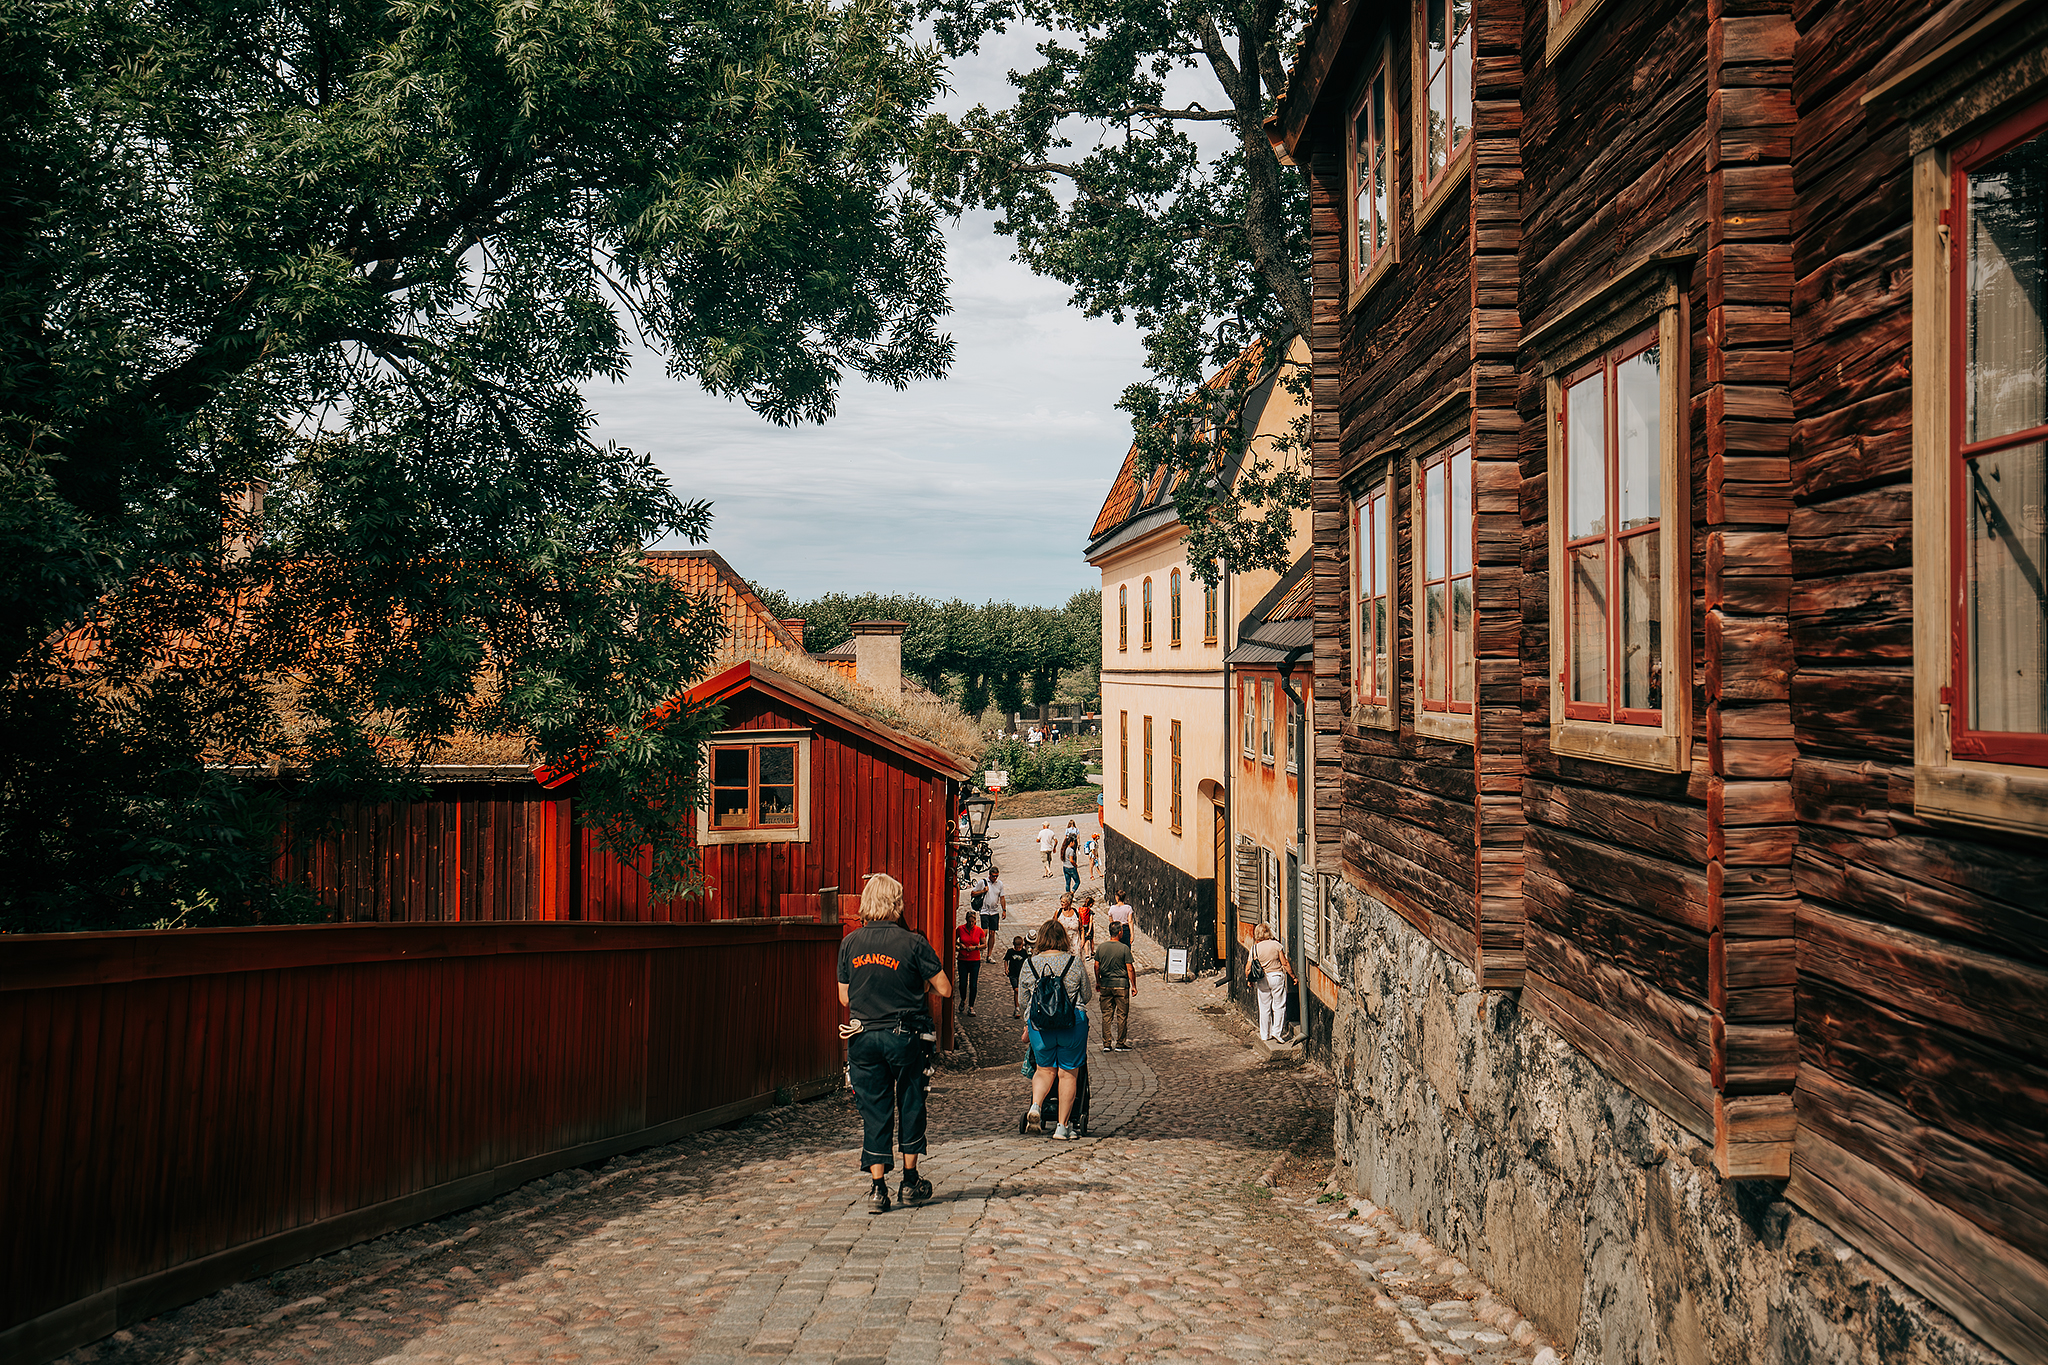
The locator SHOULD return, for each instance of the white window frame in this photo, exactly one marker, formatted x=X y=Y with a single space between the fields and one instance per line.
x=1946 y=786
x=1667 y=747
x=1266 y=721
x=800 y=832
x=1248 y=724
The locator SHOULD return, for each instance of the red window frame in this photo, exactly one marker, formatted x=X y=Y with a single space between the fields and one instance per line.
x=1992 y=746
x=1611 y=538
x=1372 y=177
x=753 y=788
x=1449 y=460
x=1437 y=69
x=1372 y=519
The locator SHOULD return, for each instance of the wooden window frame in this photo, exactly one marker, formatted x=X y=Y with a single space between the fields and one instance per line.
x=1148 y=768
x=1208 y=613
x=1375 y=708
x=798 y=833
x=1653 y=299
x=1266 y=690
x=1173 y=806
x=1173 y=609
x=1567 y=18
x=1364 y=274
x=1447 y=719
x=1145 y=614
x=1431 y=192
x=1123 y=618
x=1294 y=727
x=1958 y=775
x=1248 y=713
x=1123 y=758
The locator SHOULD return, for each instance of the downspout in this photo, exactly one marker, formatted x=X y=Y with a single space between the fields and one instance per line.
x=1301 y=780
x=1228 y=947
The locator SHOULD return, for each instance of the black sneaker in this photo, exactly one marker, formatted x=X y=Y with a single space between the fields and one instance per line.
x=878 y=1198
x=915 y=1188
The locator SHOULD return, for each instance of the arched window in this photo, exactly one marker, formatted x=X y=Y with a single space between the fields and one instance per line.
x=1123 y=616
x=1173 y=608
x=1145 y=606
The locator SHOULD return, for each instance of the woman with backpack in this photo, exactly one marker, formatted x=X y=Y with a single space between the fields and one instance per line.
x=1057 y=991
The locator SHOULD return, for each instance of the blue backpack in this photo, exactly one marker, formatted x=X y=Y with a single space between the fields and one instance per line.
x=1052 y=1005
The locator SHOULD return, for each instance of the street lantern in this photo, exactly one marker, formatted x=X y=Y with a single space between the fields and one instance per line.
x=979 y=807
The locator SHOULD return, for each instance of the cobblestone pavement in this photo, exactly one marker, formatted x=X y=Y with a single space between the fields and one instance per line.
x=1192 y=1224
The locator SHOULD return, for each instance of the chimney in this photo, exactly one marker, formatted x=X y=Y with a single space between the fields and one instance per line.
x=245 y=518
x=795 y=626
x=878 y=656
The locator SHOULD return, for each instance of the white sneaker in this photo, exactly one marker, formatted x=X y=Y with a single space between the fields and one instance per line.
x=1061 y=1133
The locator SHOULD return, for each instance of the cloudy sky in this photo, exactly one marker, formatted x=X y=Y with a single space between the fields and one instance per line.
x=981 y=485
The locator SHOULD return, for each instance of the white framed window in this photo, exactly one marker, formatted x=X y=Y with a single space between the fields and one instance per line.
x=1266 y=720
x=759 y=788
x=1620 y=613
x=1248 y=727
x=1294 y=720
x=1980 y=476
x=1372 y=621
x=1374 y=190
x=1442 y=547
x=1444 y=45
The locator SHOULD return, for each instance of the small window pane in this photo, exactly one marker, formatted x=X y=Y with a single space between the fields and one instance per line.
x=778 y=765
x=2006 y=559
x=729 y=806
x=1377 y=108
x=1383 y=676
x=1636 y=398
x=1433 y=522
x=1585 y=428
x=2008 y=361
x=1379 y=543
x=778 y=805
x=1439 y=40
x=1435 y=638
x=1461 y=639
x=1642 y=624
x=1458 y=531
x=1461 y=78
x=1589 y=624
x=729 y=767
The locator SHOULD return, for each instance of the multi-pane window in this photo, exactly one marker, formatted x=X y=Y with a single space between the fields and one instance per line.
x=1372 y=171
x=1614 y=641
x=1123 y=758
x=1444 y=109
x=1148 y=767
x=1123 y=616
x=1173 y=608
x=1145 y=614
x=1265 y=720
x=1208 y=613
x=753 y=786
x=1443 y=576
x=1248 y=729
x=1998 y=476
x=1293 y=736
x=1173 y=774
x=1371 y=525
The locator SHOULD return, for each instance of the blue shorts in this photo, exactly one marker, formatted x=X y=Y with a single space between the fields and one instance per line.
x=1066 y=1049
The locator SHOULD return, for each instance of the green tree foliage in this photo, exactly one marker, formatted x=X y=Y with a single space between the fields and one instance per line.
x=973 y=654
x=1097 y=173
x=366 y=253
x=1038 y=767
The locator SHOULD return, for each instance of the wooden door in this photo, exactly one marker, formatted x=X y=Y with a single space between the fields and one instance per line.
x=1222 y=884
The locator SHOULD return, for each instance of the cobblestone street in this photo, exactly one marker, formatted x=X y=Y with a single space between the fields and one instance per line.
x=1193 y=1223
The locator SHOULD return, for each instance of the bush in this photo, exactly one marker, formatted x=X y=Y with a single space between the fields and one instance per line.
x=1050 y=767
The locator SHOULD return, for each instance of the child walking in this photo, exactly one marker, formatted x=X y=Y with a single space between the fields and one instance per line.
x=1015 y=960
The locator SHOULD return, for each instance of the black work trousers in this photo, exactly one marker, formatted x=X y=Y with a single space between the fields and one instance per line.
x=970 y=983
x=888 y=1085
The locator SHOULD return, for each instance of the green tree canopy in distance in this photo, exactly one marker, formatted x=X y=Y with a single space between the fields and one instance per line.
x=366 y=253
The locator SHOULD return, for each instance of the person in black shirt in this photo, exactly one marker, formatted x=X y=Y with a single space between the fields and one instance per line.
x=1015 y=960
x=884 y=972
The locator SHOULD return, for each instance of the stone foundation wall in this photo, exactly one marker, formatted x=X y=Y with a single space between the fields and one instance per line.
x=1175 y=908
x=1603 y=1221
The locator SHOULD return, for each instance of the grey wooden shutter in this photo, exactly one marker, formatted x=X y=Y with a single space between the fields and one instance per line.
x=1249 y=862
x=1311 y=910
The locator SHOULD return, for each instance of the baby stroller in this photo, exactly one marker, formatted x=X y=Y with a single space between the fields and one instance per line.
x=1078 y=1118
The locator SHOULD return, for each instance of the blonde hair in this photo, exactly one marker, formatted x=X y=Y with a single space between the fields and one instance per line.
x=1259 y=935
x=881 y=899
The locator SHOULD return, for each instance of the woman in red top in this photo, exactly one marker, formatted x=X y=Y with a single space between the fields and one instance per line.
x=972 y=937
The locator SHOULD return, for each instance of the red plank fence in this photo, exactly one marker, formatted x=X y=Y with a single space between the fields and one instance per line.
x=182 y=1111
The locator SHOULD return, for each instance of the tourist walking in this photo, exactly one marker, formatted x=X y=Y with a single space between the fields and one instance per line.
x=1014 y=961
x=994 y=902
x=1093 y=846
x=1120 y=913
x=1057 y=1029
x=1270 y=966
x=1047 y=842
x=1116 y=979
x=885 y=971
x=1070 y=860
x=1085 y=914
x=1069 y=918
x=972 y=940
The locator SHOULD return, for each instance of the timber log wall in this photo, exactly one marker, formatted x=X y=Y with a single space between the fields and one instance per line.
x=187 y=1110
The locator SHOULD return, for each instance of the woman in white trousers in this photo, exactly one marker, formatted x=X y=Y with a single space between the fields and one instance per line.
x=1272 y=959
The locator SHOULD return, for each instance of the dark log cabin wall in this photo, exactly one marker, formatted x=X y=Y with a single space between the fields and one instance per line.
x=1922 y=1093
